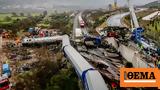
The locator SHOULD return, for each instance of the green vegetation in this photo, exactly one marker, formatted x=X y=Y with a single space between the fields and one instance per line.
x=6 y=18
x=95 y=19
x=51 y=72
x=21 y=22
x=9 y=18
x=99 y=21
x=61 y=21
x=155 y=26
x=3 y=15
x=153 y=30
x=17 y=23
x=48 y=76
x=43 y=25
x=35 y=14
x=64 y=80
x=154 y=4
x=139 y=15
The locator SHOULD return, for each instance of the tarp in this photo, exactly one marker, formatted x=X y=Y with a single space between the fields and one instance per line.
x=5 y=66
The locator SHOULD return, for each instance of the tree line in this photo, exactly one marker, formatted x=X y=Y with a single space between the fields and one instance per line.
x=22 y=24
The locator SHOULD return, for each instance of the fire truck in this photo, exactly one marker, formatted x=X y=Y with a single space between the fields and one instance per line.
x=4 y=79
x=4 y=83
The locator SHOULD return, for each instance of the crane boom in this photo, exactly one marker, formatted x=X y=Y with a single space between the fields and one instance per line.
x=137 y=35
x=133 y=15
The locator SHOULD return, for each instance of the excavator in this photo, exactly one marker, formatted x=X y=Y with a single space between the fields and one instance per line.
x=4 y=79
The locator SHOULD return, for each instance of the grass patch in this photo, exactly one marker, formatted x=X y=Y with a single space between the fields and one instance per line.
x=152 y=28
x=3 y=15
x=3 y=22
x=139 y=15
x=35 y=14
x=42 y=25
x=157 y=24
x=8 y=18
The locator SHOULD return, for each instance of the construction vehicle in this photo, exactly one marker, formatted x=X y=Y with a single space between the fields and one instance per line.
x=31 y=30
x=137 y=31
x=4 y=83
x=4 y=79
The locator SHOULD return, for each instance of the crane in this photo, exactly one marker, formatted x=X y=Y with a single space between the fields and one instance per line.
x=137 y=31
x=133 y=15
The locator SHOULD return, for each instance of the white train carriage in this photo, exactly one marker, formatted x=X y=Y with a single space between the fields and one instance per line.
x=91 y=78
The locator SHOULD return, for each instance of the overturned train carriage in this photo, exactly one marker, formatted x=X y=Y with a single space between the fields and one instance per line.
x=84 y=70
x=40 y=41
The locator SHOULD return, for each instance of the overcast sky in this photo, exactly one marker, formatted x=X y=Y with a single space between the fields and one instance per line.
x=71 y=3
x=97 y=3
x=100 y=2
x=76 y=2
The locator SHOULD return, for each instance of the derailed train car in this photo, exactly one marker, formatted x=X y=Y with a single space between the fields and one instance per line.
x=40 y=41
x=84 y=70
